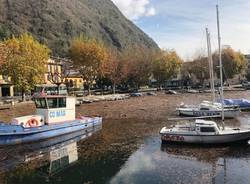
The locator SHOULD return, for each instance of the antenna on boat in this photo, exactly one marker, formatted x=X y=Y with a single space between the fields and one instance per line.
x=221 y=69
x=210 y=62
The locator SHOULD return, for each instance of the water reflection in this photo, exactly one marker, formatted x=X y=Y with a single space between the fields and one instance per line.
x=156 y=163
x=46 y=158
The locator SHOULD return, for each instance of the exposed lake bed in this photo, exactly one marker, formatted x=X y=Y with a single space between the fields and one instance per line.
x=128 y=148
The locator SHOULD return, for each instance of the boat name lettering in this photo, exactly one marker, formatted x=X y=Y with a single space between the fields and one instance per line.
x=56 y=114
x=206 y=113
x=173 y=138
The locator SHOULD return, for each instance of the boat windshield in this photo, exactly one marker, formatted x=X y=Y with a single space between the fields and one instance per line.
x=56 y=103
x=40 y=103
x=207 y=129
x=51 y=103
x=204 y=109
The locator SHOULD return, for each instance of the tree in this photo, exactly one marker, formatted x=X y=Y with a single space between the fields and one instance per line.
x=138 y=61
x=87 y=56
x=4 y=33
x=233 y=62
x=166 y=65
x=114 y=69
x=199 y=68
x=25 y=61
x=2 y=54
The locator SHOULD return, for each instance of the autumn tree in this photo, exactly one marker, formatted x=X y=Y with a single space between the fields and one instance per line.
x=25 y=61
x=138 y=61
x=87 y=56
x=166 y=65
x=1 y=53
x=233 y=62
x=198 y=68
x=115 y=69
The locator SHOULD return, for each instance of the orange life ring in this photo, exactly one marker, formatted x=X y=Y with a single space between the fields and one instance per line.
x=32 y=123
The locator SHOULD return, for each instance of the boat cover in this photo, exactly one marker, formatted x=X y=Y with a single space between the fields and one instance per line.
x=242 y=102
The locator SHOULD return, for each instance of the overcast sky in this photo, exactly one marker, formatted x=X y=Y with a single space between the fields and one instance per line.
x=180 y=24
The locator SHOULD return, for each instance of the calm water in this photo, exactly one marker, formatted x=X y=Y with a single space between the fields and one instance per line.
x=106 y=157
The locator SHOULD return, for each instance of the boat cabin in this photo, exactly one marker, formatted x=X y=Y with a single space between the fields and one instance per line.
x=205 y=127
x=50 y=110
x=56 y=109
x=199 y=126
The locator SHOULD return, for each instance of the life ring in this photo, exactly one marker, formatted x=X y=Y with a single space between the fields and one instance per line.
x=32 y=123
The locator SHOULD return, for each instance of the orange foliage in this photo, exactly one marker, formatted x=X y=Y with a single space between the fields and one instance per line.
x=1 y=54
x=88 y=56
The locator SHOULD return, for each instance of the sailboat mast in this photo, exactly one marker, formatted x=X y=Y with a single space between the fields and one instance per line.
x=210 y=62
x=220 y=59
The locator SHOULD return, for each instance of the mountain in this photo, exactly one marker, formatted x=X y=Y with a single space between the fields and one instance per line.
x=56 y=22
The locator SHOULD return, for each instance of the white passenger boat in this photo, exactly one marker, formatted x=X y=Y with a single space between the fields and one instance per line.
x=207 y=108
x=55 y=117
x=203 y=132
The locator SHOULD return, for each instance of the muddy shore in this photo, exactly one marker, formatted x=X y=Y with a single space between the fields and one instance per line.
x=136 y=116
x=152 y=108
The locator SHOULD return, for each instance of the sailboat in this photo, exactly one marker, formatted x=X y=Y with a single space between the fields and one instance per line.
x=209 y=108
x=206 y=132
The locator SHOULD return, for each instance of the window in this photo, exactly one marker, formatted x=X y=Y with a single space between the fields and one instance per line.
x=56 y=103
x=204 y=109
x=52 y=103
x=62 y=102
x=207 y=129
x=40 y=103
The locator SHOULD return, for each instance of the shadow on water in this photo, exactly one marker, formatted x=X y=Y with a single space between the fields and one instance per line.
x=126 y=151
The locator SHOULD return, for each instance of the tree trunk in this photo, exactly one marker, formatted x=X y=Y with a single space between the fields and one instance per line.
x=89 y=91
x=23 y=96
x=102 y=86
x=113 y=88
x=58 y=89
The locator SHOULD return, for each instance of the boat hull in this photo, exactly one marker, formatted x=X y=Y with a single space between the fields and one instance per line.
x=205 y=139
x=199 y=113
x=24 y=135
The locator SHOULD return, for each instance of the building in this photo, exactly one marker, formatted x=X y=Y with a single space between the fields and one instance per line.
x=74 y=80
x=54 y=73
x=6 y=87
x=59 y=71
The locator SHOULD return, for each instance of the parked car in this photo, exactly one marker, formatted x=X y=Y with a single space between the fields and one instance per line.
x=246 y=84
x=135 y=94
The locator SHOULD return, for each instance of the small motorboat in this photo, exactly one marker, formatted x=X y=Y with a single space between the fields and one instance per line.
x=203 y=132
x=55 y=117
x=207 y=108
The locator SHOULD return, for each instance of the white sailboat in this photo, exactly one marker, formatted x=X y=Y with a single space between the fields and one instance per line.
x=207 y=108
x=210 y=108
x=206 y=132
x=203 y=132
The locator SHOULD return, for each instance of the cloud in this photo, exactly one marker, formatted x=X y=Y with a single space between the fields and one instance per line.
x=135 y=9
x=182 y=25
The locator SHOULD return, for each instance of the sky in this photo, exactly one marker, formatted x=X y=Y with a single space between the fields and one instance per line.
x=180 y=24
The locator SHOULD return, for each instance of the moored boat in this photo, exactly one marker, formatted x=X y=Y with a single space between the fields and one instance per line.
x=55 y=117
x=242 y=103
x=207 y=108
x=203 y=132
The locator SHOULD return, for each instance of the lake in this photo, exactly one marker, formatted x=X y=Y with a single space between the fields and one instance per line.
x=120 y=154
